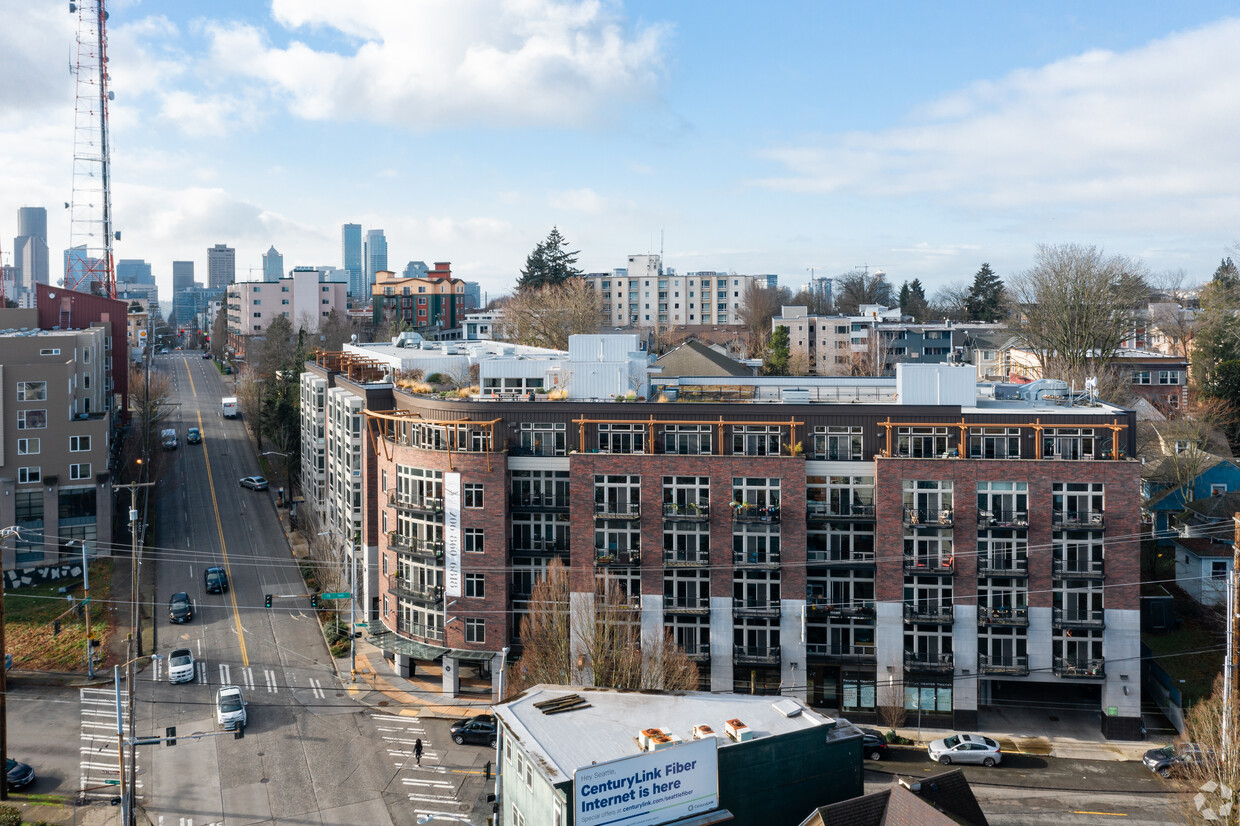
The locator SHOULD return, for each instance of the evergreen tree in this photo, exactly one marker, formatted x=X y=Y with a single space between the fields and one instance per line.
x=777 y=353
x=904 y=297
x=986 y=297
x=550 y=264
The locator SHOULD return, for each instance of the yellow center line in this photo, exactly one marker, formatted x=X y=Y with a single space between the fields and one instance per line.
x=1104 y=814
x=219 y=527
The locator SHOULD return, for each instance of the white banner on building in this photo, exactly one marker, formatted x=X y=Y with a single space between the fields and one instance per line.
x=656 y=787
x=452 y=534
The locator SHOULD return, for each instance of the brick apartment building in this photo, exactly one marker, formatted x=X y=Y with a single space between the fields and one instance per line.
x=431 y=304
x=926 y=543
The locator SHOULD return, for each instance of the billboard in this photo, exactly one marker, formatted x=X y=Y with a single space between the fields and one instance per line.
x=452 y=534
x=650 y=788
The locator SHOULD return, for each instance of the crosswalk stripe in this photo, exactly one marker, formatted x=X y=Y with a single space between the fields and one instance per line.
x=225 y=674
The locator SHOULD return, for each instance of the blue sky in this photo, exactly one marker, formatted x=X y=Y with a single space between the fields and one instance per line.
x=923 y=139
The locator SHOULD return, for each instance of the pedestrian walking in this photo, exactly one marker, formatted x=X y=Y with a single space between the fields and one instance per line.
x=417 y=750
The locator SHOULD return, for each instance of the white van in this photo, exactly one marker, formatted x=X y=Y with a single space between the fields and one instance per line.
x=228 y=406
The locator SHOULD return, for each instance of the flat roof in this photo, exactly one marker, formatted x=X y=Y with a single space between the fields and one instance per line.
x=608 y=728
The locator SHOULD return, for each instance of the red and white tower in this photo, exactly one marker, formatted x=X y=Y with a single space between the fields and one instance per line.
x=89 y=259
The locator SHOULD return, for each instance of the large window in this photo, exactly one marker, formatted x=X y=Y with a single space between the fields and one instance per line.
x=622 y=438
x=687 y=438
x=922 y=442
x=545 y=488
x=837 y=443
x=994 y=443
x=31 y=391
x=756 y=440
x=31 y=419
x=475 y=631
x=28 y=447
x=541 y=439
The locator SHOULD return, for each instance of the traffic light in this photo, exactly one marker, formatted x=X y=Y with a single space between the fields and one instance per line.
x=170 y=735
x=269 y=600
x=314 y=600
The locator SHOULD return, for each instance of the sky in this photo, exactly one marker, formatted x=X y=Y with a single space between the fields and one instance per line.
x=784 y=137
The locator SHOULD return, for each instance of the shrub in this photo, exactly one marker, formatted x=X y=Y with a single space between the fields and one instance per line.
x=10 y=816
x=436 y=378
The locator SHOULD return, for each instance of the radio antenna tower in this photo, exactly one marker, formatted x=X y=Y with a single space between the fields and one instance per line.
x=89 y=260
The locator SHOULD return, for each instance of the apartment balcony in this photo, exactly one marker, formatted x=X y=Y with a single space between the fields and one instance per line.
x=419 y=548
x=535 y=450
x=699 y=653
x=691 y=512
x=1094 y=569
x=537 y=503
x=420 y=630
x=1077 y=520
x=1084 y=619
x=612 y=556
x=755 y=558
x=1002 y=519
x=697 y=606
x=1004 y=566
x=930 y=663
x=755 y=607
x=1088 y=669
x=922 y=613
x=841 y=653
x=540 y=546
x=756 y=654
x=755 y=515
x=828 y=512
x=420 y=505
x=427 y=595
x=929 y=565
x=617 y=510
x=1011 y=666
x=685 y=559
x=842 y=558
x=930 y=517
x=1003 y=617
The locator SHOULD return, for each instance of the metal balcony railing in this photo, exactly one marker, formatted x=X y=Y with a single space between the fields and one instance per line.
x=1071 y=667
x=1007 y=617
x=617 y=510
x=537 y=501
x=612 y=556
x=755 y=557
x=535 y=450
x=756 y=654
x=675 y=558
x=753 y=514
x=527 y=546
x=423 y=593
x=930 y=517
x=1002 y=519
x=924 y=613
x=1016 y=666
x=1003 y=565
x=417 y=504
x=1072 y=618
x=755 y=607
x=930 y=663
x=1077 y=519
x=929 y=565
x=691 y=605
x=841 y=653
x=829 y=510
x=697 y=653
x=686 y=513
x=1078 y=568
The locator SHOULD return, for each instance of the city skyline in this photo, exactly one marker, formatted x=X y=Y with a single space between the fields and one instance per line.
x=920 y=141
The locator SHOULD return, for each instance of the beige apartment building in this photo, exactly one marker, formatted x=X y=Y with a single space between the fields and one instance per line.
x=55 y=436
x=303 y=297
x=646 y=295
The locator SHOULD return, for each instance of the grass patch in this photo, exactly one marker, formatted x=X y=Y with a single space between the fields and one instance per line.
x=1197 y=669
x=30 y=615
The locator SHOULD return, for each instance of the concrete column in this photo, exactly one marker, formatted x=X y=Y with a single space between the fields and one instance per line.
x=721 y=666
x=51 y=522
x=792 y=648
x=403 y=665
x=1121 y=648
x=652 y=619
x=1040 y=645
x=964 y=648
x=451 y=676
x=8 y=509
x=497 y=671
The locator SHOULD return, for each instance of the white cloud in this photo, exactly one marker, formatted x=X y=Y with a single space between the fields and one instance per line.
x=1127 y=136
x=443 y=63
x=581 y=200
x=34 y=56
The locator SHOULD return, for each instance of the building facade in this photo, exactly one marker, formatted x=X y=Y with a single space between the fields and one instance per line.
x=221 y=266
x=55 y=439
x=182 y=276
x=941 y=549
x=30 y=251
x=375 y=256
x=273 y=265
x=645 y=295
x=351 y=259
x=301 y=297
x=430 y=304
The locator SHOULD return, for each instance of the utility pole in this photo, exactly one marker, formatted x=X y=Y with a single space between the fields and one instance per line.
x=1233 y=637
x=135 y=629
x=5 y=533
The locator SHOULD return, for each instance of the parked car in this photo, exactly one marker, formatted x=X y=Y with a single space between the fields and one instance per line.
x=19 y=774
x=480 y=729
x=254 y=483
x=215 y=579
x=230 y=707
x=873 y=744
x=193 y=436
x=965 y=748
x=181 y=666
x=1173 y=759
x=179 y=607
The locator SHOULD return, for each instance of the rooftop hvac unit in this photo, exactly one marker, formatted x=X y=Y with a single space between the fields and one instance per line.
x=702 y=732
x=646 y=737
x=738 y=731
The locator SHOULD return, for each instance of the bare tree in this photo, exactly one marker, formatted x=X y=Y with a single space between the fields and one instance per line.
x=950 y=302
x=149 y=407
x=1187 y=441
x=815 y=303
x=546 y=316
x=597 y=642
x=219 y=333
x=853 y=289
x=337 y=330
x=758 y=306
x=250 y=400
x=873 y=360
x=1075 y=307
x=1213 y=726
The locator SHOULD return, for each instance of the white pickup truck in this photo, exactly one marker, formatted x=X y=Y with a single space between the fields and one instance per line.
x=228 y=406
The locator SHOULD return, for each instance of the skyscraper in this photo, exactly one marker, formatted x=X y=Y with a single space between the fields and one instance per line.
x=221 y=266
x=273 y=265
x=351 y=257
x=82 y=270
x=133 y=271
x=30 y=254
x=376 y=257
x=182 y=276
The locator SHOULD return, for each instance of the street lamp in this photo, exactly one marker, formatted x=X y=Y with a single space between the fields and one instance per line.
x=288 y=473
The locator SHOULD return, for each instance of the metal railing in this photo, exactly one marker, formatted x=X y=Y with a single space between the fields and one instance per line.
x=538 y=500
x=686 y=513
x=931 y=565
x=1078 y=568
x=686 y=557
x=1002 y=519
x=617 y=510
x=930 y=517
x=756 y=654
x=611 y=556
x=844 y=653
x=933 y=663
x=1071 y=667
x=929 y=613
x=421 y=504
x=1077 y=519
x=756 y=515
x=539 y=450
x=541 y=545
x=1010 y=617
x=1072 y=618
x=755 y=557
x=827 y=510
x=423 y=593
x=755 y=606
x=1002 y=565
x=1017 y=666
x=694 y=604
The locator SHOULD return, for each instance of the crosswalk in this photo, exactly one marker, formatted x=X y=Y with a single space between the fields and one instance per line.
x=160 y=671
x=246 y=679
x=429 y=786
x=185 y=821
x=99 y=764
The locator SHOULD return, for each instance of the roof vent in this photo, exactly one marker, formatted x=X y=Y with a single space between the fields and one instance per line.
x=647 y=736
x=738 y=731
x=702 y=732
x=788 y=708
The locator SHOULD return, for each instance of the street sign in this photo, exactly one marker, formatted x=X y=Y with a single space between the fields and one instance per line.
x=335 y=595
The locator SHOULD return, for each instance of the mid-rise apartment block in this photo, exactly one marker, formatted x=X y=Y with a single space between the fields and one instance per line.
x=646 y=295
x=918 y=541
x=430 y=304
x=303 y=297
x=55 y=438
x=221 y=266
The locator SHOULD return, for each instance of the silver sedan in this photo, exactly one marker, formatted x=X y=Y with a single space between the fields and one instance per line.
x=965 y=748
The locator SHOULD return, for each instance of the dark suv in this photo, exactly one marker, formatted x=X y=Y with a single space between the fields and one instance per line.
x=216 y=580
x=873 y=744
x=180 y=609
x=1170 y=760
x=480 y=729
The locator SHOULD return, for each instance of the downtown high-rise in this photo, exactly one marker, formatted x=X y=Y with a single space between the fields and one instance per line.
x=351 y=258
x=221 y=266
x=30 y=255
x=376 y=256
